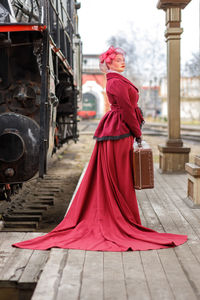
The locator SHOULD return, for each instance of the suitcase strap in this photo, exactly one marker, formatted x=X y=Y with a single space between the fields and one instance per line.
x=140 y=167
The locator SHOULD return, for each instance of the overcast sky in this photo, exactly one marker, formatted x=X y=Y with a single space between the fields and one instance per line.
x=100 y=19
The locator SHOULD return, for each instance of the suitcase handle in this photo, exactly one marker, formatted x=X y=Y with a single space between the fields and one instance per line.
x=143 y=145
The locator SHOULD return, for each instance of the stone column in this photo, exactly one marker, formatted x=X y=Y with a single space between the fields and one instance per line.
x=173 y=155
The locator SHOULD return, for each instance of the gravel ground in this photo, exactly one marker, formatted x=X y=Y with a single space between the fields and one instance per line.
x=69 y=165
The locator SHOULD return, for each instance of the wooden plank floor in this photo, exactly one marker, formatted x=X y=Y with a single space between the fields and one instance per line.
x=155 y=274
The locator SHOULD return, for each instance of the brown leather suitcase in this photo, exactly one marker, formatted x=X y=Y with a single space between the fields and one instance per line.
x=143 y=167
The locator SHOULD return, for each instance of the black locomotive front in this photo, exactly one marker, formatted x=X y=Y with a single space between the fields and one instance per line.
x=40 y=83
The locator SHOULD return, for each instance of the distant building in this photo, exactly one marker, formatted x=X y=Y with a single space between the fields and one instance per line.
x=153 y=98
x=190 y=98
x=150 y=101
x=94 y=103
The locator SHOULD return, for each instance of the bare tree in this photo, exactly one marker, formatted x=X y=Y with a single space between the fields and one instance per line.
x=145 y=56
x=192 y=67
x=145 y=65
x=152 y=58
x=131 y=56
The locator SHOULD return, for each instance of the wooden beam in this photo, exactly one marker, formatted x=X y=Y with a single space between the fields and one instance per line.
x=164 y=4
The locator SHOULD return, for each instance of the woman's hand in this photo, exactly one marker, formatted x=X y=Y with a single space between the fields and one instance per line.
x=139 y=141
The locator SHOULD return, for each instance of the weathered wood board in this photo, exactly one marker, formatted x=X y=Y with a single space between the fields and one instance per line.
x=87 y=275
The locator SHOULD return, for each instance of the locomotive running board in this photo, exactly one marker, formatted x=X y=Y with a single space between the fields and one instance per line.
x=22 y=27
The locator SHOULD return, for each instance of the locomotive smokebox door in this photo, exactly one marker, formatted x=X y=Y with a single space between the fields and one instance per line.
x=19 y=148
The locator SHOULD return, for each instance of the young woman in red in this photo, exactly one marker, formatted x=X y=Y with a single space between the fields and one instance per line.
x=104 y=214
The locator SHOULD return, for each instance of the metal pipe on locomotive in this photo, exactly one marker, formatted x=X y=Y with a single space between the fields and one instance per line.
x=40 y=84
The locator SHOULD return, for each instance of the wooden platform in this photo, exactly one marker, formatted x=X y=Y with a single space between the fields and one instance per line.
x=75 y=274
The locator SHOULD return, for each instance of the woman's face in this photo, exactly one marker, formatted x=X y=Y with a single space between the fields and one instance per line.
x=117 y=64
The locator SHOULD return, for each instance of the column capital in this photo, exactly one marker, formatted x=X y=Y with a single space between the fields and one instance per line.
x=173 y=33
x=164 y=4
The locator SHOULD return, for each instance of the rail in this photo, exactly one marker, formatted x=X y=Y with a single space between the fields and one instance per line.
x=188 y=132
x=183 y=127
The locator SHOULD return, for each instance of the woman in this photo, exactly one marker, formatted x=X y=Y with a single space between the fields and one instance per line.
x=104 y=214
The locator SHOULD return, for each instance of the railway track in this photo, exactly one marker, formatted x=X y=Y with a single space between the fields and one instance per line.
x=190 y=133
x=26 y=213
x=41 y=204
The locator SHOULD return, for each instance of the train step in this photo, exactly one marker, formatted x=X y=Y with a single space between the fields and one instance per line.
x=12 y=224
x=22 y=217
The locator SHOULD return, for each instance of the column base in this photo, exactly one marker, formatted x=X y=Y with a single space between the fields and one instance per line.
x=173 y=159
x=193 y=179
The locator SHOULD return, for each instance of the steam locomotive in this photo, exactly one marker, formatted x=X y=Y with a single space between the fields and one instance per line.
x=40 y=85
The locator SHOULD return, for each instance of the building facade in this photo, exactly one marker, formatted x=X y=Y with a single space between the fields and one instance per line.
x=190 y=98
x=94 y=100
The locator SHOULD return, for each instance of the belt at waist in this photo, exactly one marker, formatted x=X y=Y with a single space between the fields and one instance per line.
x=113 y=107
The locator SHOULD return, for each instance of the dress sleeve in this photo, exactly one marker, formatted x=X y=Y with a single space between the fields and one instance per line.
x=121 y=94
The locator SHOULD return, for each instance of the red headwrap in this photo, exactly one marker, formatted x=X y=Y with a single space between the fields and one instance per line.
x=108 y=56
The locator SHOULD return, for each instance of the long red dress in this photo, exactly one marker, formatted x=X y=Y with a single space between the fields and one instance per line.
x=104 y=214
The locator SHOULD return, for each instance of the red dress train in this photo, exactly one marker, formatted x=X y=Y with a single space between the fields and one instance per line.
x=104 y=214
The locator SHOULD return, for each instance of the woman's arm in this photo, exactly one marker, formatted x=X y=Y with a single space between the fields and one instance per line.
x=120 y=91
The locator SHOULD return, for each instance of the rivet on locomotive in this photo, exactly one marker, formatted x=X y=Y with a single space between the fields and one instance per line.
x=40 y=85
